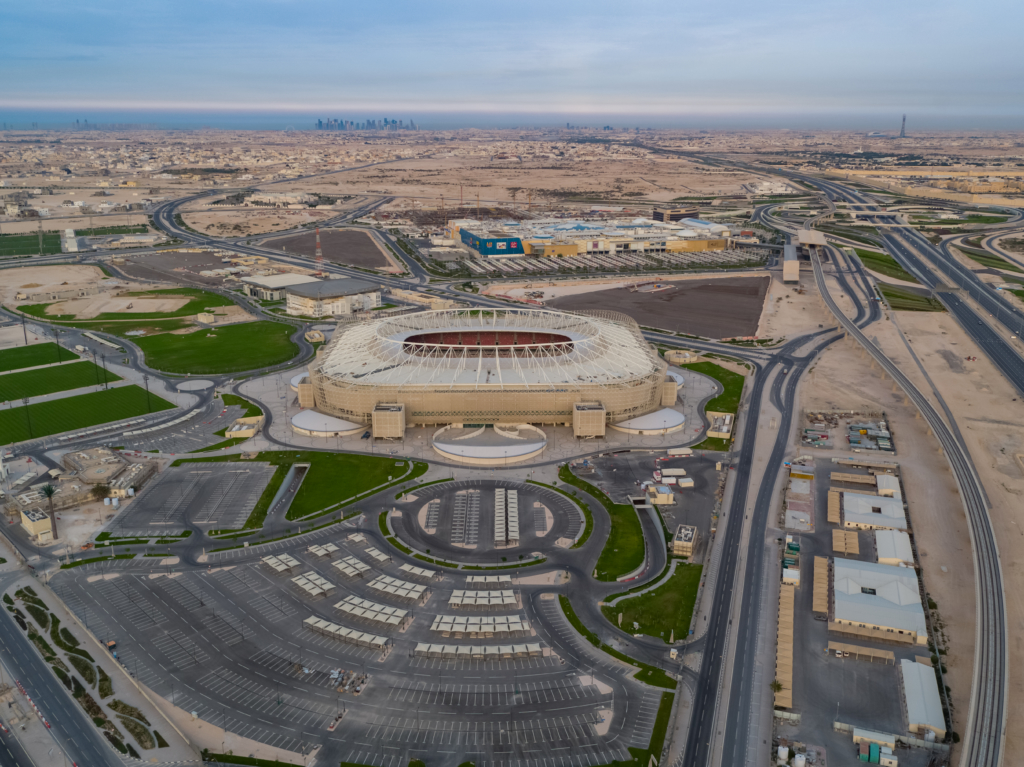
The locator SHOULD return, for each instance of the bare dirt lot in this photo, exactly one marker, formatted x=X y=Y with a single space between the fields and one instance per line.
x=175 y=266
x=38 y=279
x=715 y=308
x=340 y=246
x=238 y=223
x=87 y=308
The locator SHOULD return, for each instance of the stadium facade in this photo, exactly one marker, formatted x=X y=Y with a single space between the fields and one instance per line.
x=476 y=368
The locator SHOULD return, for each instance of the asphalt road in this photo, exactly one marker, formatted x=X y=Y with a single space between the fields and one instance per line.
x=71 y=727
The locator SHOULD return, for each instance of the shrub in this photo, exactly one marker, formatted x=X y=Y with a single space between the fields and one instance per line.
x=68 y=637
x=55 y=635
x=62 y=677
x=8 y=600
x=131 y=751
x=116 y=743
x=160 y=742
x=106 y=687
x=140 y=733
x=123 y=708
x=39 y=615
x=85 y=668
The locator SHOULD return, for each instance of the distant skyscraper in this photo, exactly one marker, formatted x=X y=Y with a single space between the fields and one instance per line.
x=903 y=128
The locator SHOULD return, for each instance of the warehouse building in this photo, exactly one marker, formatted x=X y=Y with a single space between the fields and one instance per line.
x=893 y=548
x=872 y=512
x=876 y=601
x=326 y=298
x=921 y=704
x=272 y=286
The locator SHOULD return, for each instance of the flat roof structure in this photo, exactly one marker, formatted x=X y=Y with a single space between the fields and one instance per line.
x=321 y=425
x=273 y=281
x=882 y=598
x=872 y=512
x=888 y=485
x=810 y=237
x=893 y=547
x=326 y=289
x=664 y=421
x=921 y=699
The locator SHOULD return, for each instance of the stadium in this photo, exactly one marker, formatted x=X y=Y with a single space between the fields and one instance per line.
x=491 y=378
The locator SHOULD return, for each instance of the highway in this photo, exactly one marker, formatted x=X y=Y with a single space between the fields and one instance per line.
x=985 y=726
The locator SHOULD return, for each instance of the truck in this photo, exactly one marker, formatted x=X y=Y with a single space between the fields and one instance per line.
x=680 y=451
x=673 y=472
x=79 y=348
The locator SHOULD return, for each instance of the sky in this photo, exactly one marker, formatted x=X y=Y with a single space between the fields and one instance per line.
x=783 y=63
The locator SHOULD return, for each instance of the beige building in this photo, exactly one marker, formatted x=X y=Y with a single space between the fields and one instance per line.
x=329 y=298
x=684 y=541
x=37 y=524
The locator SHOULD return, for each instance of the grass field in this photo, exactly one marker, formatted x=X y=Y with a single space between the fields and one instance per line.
x=199 y=300
x=990 y=260
x=885 y=264
x=331 y=479
x=228 y=349
x=35 y=383
x=732 y=384
x=624 y=551
x=667 y=609
x=28 y=244
x=251 y=410
x=902 y=300
x=79 y=412
x=31 y=356
x=102 y=230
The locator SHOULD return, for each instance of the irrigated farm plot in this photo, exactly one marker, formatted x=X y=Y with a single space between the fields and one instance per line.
x=719 y=308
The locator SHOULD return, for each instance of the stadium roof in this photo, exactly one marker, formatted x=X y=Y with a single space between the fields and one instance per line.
x=346 y=286
x=878 y=595
x=603 y=350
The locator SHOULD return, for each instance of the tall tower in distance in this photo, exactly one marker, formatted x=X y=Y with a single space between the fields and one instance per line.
x=903 y=128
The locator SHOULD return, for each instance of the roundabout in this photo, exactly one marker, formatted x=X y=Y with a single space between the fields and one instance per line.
x=470 y=522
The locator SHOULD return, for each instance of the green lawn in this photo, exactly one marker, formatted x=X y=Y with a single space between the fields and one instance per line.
x=28 y=244
x=624 y=551
x=251 y=410
x=199 y=300
x=648 y=674
x=991 y=260
x=902 y=300
x=31 y=356
x=229 y=349
x=660 y=612
x=732 y=384
x=35 y=383
x=81 y=412
x=885 y=264
x=331 y=479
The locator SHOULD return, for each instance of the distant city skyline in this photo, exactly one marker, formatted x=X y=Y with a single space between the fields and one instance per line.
x=655 y=64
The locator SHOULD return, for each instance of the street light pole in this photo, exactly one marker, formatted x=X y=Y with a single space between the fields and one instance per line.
x=27 y=416
x=145 y=378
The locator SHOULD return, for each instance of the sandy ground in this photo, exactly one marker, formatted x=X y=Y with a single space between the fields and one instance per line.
x=91 y=306
x=238 y=223
x=13 y=337
x=789 y=313
x=35 y=279
x=891 y=280
x=625 y=176
x=230 y=315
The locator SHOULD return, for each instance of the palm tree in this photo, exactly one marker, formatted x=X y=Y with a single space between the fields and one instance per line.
x=776 y=685
x=48 y=491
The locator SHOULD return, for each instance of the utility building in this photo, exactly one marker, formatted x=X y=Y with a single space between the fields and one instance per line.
x=878 y=602
x=325 y=298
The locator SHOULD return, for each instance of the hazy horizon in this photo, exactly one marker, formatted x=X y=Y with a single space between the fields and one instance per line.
x=741 y=64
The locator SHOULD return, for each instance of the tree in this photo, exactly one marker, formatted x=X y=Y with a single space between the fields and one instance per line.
x=776 y=685
x=99 y=492
x=48 y=491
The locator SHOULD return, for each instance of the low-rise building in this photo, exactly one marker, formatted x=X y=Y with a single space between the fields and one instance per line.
x=37 y=524
x=893 y=548
x=660 y=495
x=326 y=298
x=272 y=286
x=877 y=601
x=684 y=541
x=872 y=512
x=921 y=703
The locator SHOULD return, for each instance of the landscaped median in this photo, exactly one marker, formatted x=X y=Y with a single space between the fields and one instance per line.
x=623 y=553
x=726 y=402
x=649 y=674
